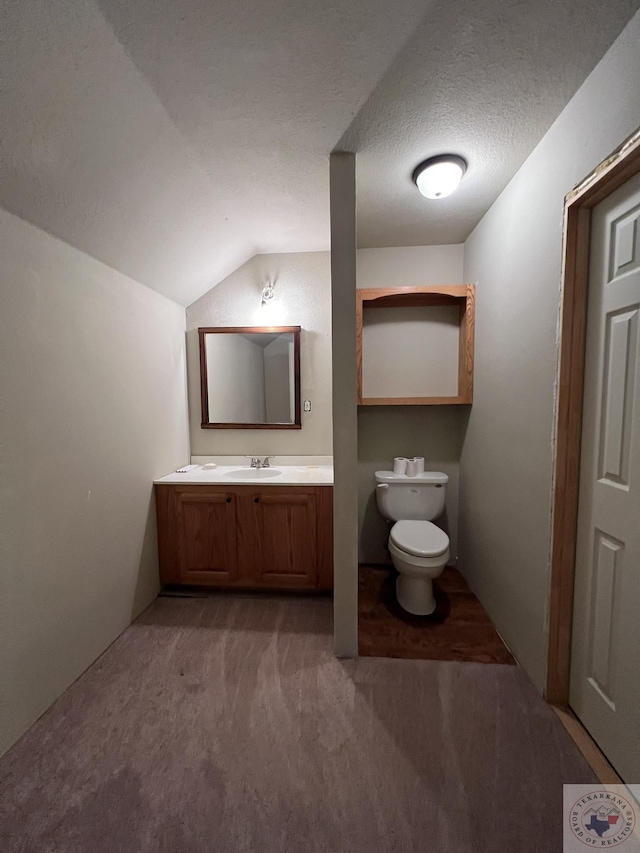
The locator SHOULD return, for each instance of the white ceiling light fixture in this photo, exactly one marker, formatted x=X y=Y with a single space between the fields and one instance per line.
x=438 y=177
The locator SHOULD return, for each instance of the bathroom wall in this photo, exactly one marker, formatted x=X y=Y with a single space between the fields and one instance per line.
x=515 y=256
x=342 y=172
x=427 y=338
x=435 y=432
x=92 y=409
x=302 y=298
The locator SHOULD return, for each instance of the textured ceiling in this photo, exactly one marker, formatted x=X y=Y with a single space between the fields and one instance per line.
x=481 y=78
x=175 y=139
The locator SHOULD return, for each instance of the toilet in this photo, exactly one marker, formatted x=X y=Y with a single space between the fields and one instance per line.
x=419 y=549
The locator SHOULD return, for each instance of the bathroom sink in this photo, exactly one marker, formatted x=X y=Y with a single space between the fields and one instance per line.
x=253 y=473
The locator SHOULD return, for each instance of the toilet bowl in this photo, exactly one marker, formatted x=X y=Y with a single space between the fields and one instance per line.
x=419 y=549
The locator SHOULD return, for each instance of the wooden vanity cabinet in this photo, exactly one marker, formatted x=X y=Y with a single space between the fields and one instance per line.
x=273 y=537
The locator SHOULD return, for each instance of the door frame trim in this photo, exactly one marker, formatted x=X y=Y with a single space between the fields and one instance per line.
x=607 y=177
x=592 y=753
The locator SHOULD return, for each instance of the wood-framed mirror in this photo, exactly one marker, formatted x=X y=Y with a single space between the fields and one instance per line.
x=250 y=377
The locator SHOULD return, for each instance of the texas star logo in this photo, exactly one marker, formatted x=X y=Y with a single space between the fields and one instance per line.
x=602 y=819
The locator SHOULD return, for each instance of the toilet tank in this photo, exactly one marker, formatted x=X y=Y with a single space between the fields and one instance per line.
x=416 y=498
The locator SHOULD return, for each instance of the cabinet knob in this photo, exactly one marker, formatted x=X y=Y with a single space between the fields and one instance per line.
x=228 y=500
x=256 y=500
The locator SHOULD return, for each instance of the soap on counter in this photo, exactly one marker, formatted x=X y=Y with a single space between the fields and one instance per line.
x=209 y=466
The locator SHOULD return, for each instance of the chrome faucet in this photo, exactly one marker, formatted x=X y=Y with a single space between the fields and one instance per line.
x=256 y=463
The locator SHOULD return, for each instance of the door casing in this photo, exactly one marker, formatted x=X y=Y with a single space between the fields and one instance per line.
x=611 y=174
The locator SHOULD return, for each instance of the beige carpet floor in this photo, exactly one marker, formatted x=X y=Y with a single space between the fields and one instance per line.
x=225 y=724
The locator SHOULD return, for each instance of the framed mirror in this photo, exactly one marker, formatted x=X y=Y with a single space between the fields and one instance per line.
x=250 y=377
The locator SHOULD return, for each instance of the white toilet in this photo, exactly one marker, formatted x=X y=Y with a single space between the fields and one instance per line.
x=419 y=549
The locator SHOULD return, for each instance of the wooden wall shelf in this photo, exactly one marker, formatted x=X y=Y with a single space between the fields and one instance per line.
x=462 y=295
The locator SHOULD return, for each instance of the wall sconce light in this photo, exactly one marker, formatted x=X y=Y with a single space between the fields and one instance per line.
x=439 y=176
x=268 y=292
x=270 y=311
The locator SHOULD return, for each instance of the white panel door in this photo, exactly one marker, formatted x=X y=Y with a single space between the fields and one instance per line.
x=605 y=660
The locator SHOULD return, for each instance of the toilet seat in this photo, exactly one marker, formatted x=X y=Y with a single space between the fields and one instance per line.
x=421 y=564
x=419 y=538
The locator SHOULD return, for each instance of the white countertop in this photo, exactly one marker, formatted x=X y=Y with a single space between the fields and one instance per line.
x=289 y=475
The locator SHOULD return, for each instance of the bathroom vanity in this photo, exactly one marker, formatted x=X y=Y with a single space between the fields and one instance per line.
x=234 y=527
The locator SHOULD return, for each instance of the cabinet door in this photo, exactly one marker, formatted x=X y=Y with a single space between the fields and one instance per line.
x=277 y=538
x=206 y=528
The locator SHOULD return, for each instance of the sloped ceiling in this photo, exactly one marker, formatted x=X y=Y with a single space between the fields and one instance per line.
x=175 y=139
x=484 y=79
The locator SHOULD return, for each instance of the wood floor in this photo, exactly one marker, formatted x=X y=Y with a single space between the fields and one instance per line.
x=459 y=630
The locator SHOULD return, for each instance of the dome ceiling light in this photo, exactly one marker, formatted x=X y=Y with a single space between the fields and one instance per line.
x=439 y=176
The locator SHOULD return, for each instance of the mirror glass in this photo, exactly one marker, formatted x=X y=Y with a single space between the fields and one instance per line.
x=250 y=377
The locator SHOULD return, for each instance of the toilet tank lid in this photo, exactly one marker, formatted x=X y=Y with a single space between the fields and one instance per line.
x=428 y=477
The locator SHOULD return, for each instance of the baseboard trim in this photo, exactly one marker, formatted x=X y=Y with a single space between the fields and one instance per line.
x=592 y=753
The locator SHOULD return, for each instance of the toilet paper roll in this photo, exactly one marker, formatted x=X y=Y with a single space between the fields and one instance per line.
x=400 y=465
x=412 y=468
x=419 y=460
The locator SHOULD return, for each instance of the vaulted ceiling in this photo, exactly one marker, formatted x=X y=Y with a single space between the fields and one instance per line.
x=174 y=139
x=484 y=79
